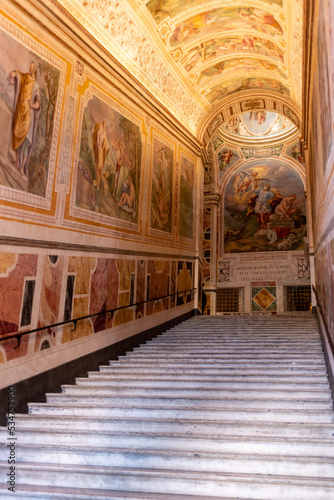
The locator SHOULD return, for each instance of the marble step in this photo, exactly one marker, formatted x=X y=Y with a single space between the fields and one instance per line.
x=191 y=426
x=236 y=342
x=321 y=467
x=215 y=371
x=180 y=378
x=238 y=358
x=222 y=353
x=235 y=334
x=277 y=364
x=227 y=402
x=259 y=486
x=250 y=329
x=26 y=492
x=321 y=388
x=242 y=390
x=61 y=405
x=227 y=347
x=280 y=446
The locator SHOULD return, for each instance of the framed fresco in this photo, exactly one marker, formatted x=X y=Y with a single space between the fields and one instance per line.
x=226 y=158
x=186 y=199
x=265 y=208
x=32 y=80
x=323 y=74
x=162 y=168
x=108 y=162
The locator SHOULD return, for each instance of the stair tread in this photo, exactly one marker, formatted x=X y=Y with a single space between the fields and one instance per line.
x=174 y=435
x=58 y=493
x=83 y=469
x=174 y=453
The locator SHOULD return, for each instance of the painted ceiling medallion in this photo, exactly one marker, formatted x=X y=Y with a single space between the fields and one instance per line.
x=260 y=123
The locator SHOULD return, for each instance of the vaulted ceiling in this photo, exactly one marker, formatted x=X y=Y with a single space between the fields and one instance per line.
x=195 y=56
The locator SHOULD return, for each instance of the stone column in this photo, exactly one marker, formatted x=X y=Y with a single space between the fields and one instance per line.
x=212 y=202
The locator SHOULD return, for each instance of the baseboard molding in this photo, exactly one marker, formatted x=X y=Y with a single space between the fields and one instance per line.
x=35 y=388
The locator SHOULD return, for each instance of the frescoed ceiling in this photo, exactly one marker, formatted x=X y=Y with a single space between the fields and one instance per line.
x=192 y=54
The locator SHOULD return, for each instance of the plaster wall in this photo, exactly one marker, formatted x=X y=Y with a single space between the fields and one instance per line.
x=98 y=202
x=321 y=160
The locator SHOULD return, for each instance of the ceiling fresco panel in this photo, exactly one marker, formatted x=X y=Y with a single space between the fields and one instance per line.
x=215 y=48
x=161 y=10
x=239 y=84
x=190 y=54
x=225 y=19
x=227 y=69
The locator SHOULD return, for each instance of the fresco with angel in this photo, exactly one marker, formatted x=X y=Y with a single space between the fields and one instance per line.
x=264 y=209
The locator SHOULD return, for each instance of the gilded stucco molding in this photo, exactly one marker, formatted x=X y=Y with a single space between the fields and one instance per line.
x=124 y=40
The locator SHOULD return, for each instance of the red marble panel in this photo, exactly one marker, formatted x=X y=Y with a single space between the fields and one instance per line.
x=140 y=287
x=50 y=296
x=11 y=292
x=11 y=295
x=158 y=270
x=104 y=292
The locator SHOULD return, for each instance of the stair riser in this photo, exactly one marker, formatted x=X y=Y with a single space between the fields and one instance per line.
x=245 y=404
x=224 y=486
x=177 y=443
x=210 y=414
x=236 y=333
x=180 y=380
x=191 y=346
x=238 y=357
x=216 y=372
x=192 y=396
x=208 y=389
x=218 y=364
x=216 y=428
x=231 y=344
x=153 y=460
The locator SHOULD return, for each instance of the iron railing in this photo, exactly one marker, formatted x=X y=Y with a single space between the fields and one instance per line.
x=328 y=335
x=19 y=335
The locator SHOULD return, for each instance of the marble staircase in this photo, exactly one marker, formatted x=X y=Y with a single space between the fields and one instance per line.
x=228 y=407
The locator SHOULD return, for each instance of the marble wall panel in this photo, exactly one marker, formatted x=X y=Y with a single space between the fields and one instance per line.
x=49 y=307
x=16 y=271
x=184 y=282
x=81 y=268
x=140 y=287
x=72 y=286
x=104 y=292
x=125 y=268
x=159 y=272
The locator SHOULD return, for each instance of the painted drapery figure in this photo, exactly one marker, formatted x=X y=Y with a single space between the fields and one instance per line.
x=262 y=206
x=26 y=111
x=101 y=149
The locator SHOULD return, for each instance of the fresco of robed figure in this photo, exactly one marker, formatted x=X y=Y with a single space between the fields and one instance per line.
x=28 y=100
x=108 y=176
x=161 y=199
x=186 y=212
x=264 y=209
